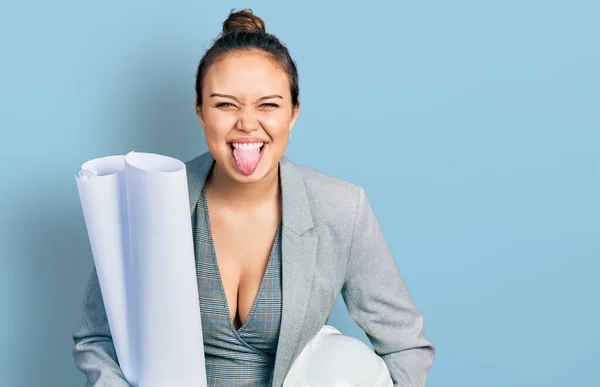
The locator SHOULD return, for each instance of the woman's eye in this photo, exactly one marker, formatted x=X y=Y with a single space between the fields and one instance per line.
x=227 y=104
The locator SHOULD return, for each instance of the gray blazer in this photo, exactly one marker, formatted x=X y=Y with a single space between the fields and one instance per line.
x=331 y=243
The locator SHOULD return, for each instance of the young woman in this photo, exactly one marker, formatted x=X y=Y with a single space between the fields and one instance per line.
x=275 y=242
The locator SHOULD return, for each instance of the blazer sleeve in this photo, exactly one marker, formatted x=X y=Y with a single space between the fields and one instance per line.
x=94 y=351
x=379 y=302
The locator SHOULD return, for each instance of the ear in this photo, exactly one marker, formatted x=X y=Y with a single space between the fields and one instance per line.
x=199 y=113
x=295 y=113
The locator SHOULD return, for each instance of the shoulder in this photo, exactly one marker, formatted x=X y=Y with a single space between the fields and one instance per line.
x=199 y=165
x=330 y=189
x=333 y=201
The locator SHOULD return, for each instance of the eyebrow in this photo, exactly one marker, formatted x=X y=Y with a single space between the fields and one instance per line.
x=235 y=99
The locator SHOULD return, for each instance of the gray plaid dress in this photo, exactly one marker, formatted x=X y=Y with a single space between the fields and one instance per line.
x=243 y=357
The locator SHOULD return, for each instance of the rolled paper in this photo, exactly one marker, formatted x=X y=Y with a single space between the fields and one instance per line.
x=103 y=197
x=137 y=215
x=169 y=328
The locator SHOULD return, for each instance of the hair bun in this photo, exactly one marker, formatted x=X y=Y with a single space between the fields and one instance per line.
x=243 y=20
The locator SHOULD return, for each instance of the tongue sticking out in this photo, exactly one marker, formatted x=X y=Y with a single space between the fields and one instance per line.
x=247 y=159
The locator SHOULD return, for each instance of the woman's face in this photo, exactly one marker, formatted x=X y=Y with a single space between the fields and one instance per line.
x=247 y=114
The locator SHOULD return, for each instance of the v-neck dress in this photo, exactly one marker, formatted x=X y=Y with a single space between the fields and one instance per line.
x=243 y=357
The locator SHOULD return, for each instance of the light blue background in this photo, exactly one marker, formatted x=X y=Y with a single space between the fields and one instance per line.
x=473 y=126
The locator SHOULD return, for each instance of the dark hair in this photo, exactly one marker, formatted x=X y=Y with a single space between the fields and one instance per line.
x=245 y=31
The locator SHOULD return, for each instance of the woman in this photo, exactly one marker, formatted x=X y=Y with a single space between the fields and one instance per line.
x=281 y=241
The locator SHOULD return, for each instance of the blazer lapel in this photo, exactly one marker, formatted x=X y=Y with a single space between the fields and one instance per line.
x=298 y=248
x=299 y=252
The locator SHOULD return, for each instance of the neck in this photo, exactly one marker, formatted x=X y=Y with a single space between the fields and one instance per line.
x=242 y=195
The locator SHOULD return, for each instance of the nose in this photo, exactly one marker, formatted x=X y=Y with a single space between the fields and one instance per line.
x=247 y=122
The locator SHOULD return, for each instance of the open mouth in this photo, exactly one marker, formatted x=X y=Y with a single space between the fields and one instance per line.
x=247 y=145
x=247 y=155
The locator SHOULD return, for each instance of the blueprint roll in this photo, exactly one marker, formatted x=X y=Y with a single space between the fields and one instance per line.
x=170 y=350
x=102 y=193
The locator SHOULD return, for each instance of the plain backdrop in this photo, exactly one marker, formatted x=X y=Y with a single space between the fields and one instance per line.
x=472 y=125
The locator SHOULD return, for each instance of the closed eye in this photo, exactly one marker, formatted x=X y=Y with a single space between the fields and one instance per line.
x=225 y=104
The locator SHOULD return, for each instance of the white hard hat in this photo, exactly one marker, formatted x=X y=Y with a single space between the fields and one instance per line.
x=331 y=359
